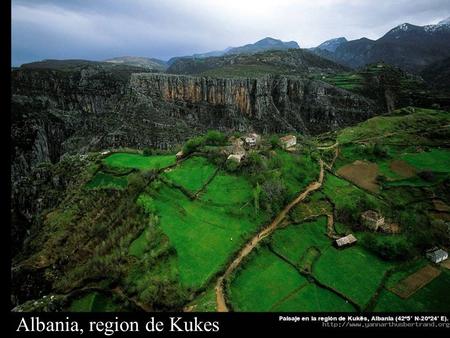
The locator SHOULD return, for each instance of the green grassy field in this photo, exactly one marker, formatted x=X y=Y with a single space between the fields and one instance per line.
x=352 y=271
x=437 y=160
x=434 y=297
x=264 y=282
x=296 y=171
x=312 y=298
x=137 y=161
x=93 y=302
x=192 y=173
x=344 y=194
x=348 y=81
x=293 y=241
x=206 y=232
x=228 y=190
x=205 y=302
x=103 y=180
x=402 y=129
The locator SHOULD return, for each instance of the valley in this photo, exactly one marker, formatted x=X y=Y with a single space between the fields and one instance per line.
x=201 y=234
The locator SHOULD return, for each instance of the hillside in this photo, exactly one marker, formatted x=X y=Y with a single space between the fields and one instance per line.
x=392 y=87
x=143 y=62
x=147 y=220
x=437 y=76
x=289 y=62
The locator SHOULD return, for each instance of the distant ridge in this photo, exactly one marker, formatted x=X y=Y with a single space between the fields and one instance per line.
x=262 y=45
x=407 y=46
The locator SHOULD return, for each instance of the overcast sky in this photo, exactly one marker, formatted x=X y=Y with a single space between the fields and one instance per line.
x=99 y=29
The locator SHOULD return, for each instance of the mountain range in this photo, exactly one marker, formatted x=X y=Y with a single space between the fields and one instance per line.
x=407 y=46
x=262 y=45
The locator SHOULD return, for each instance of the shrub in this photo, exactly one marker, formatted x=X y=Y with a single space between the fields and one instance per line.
x=379 y=150
x=273 y=196
x=254 y=163
x=389 y=247
x=193 y=144
x=148 y=151
x=427 y=175
x=231 y=166
x=215 y=138
x=275 y=142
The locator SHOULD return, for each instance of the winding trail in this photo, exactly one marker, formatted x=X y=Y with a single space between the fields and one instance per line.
x=248 y=248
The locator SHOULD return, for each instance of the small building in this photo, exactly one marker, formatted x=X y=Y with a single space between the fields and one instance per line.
x=235 y=157
x=252 y=139
x=179 y=155
x=106 y=152
x=436 y=255
x=372 y=220
x=345 y=241
x=288 y=141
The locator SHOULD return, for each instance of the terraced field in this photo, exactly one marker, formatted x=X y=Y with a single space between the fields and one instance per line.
x=138 y=161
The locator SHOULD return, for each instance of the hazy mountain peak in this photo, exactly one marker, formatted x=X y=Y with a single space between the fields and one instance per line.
x=262 y=45
x=332 y=44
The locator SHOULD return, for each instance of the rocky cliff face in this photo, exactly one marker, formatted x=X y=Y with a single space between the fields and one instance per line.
x=58 y=112
x=269 y=104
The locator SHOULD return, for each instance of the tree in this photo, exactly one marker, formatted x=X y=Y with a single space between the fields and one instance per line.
x=193 y=144
x=256 y=197
x=273 y=195
x=215 y=138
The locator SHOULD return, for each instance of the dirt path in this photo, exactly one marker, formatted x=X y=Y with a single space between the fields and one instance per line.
x=328 y=147
x=247 y=249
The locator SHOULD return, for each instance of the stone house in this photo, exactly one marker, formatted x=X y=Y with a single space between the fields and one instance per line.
x=345 y=241
x=436 y=255
x=288 y=141
x=252 y=139
x=179 y=155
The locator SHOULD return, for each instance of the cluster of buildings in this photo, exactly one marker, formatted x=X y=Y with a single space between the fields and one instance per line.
x=375 y=221
x=240 y=145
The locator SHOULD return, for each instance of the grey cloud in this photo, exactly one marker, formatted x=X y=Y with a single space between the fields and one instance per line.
x=98 y=29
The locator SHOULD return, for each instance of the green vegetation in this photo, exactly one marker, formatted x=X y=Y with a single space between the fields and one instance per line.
x=212 y=138
x=94 y=302
x=192 y=174
x=265 y=282
x=158 y=239
x=107 y=181
x=341 y=269
x=437 y=160
x=206 y=302
x=349 y=200
x=214 y=226
x=293 y=241
x=417 y=127
x=137 y=161
x=312 y=298
x=348 y=81
x=432 y=297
